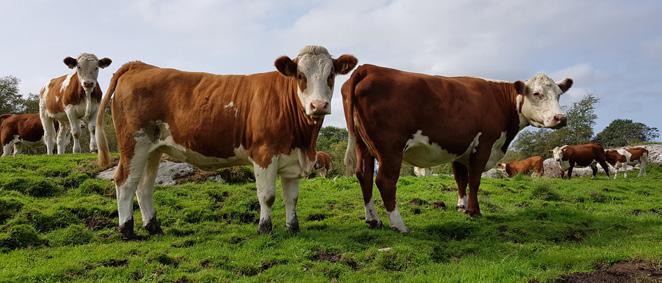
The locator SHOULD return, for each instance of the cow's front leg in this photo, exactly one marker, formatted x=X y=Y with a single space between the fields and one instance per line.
x=290 y=196
x=265 y=181
x=74 y=127
x=63 y=137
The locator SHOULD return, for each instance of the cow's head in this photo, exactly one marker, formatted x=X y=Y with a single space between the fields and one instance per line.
x=315 y=71
x=557 y=153
x=87 y=68
x=538 y=101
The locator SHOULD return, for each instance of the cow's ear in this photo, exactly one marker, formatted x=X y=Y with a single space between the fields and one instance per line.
x=520 y=87
x=70 y=62
x=345 y=63
x=105 y=62
x=565 y=85
x=286 y=66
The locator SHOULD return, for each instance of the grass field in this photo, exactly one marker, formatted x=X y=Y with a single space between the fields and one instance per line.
x=57 y=223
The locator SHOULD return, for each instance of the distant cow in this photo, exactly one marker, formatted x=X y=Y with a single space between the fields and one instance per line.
x=422 y=172
x=426 y=120
x=627 y=156
x=525 y=166
x=322 y=163
x=270 y=120
x=70 y=100
x=583 y=155
x=20 y=131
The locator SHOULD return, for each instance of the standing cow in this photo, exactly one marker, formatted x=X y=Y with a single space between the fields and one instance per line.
x=525 y=166
x=467 y=121
x=422 y=172
x=322 y=163
x=19 y=131
x=627 y=156
x=569 y=156
x=270 y=120
x=70 y=100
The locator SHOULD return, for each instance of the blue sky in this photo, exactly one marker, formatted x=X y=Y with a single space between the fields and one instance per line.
x=612 y=49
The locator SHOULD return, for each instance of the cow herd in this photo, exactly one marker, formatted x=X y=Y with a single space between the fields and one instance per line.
x=271 y=122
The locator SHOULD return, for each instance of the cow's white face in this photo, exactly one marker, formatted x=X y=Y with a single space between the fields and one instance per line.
x=539 y=101
x=315 y=71
x=557 y=153
x=87 y=68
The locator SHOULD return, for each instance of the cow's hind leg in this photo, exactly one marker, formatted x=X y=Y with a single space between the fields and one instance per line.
x=461 y=174
x=49 y=132
x=605 y=167
x=594 y=168
x=145 y=194
x=291 y=196
x=74 y=127
x=63 y=137
x=265 y=181
x=127 y=178
x=365 y=170
x=387 y=179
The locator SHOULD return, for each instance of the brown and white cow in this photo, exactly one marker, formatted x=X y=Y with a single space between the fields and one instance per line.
x=582 y=155
x=627 y=156
x=19 y=132
x=322 y=163
x=72 y=101
x=269 y=120
x=425 y=120
x=524 y=166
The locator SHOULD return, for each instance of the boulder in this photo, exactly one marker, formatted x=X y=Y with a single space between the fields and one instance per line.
x=168 y=173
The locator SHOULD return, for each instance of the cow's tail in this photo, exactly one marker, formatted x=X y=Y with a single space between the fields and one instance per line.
x=349 y=104
x=100 y=134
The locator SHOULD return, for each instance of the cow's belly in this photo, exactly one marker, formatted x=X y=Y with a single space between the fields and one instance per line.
x=202 y=161
x=77 y=109
x=420 y=152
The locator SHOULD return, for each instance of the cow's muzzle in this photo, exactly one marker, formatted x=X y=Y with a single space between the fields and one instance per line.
x=561 y=121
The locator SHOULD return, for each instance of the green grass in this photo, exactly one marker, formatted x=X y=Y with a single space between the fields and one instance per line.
x=58 y=224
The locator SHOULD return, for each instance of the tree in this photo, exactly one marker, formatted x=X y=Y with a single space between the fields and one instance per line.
x=581 y=118
x=622 y=132
x=329 y=136
x=31 y=103
x=10 y=100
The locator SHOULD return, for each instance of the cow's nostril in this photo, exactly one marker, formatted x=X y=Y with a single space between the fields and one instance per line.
x=88 y=84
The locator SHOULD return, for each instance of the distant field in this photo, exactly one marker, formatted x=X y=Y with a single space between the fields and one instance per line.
x=57 y=223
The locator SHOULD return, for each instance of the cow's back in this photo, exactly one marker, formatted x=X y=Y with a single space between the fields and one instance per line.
x=26 y=126
x=585 y=154
x=637 y=153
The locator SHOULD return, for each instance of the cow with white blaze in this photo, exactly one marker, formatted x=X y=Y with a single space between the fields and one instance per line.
x=72 y=101
x=425 y=121
x=268 y=120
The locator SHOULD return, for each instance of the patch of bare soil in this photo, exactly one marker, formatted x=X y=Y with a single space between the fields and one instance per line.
x=629 y=271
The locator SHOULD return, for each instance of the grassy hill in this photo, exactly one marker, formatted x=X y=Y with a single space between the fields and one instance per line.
x=57 y=223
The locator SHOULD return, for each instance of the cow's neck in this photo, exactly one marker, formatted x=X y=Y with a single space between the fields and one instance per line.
x=512 y=105
x=305 y=128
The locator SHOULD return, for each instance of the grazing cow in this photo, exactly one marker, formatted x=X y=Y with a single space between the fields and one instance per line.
x=422 y=172
x=525 y=166
x=583 y=155
x=627 y=156
x=20 y=131
x=270 y=120
x=426 y=120
x=322 y=163
x=72 y=100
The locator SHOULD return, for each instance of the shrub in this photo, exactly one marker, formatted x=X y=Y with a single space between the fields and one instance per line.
x=72 y=235
x=21 y=236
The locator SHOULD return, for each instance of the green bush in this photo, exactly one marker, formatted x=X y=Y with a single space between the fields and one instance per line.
x=72 y=235
x=21 y=236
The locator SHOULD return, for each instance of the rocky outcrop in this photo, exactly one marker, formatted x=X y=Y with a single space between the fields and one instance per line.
x=168 y=173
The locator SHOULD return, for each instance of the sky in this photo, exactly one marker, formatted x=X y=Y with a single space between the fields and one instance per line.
x=612 y=49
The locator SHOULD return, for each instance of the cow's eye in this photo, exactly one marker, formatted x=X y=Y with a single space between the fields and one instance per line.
x=300 y=76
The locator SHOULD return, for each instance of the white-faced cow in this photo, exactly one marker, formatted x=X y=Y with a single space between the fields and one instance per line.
x=627 y=156
x=322 y=163
x=268 y=120
x=582 y=155
x=20 y=132
x=425 y=120
x=72 y=101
